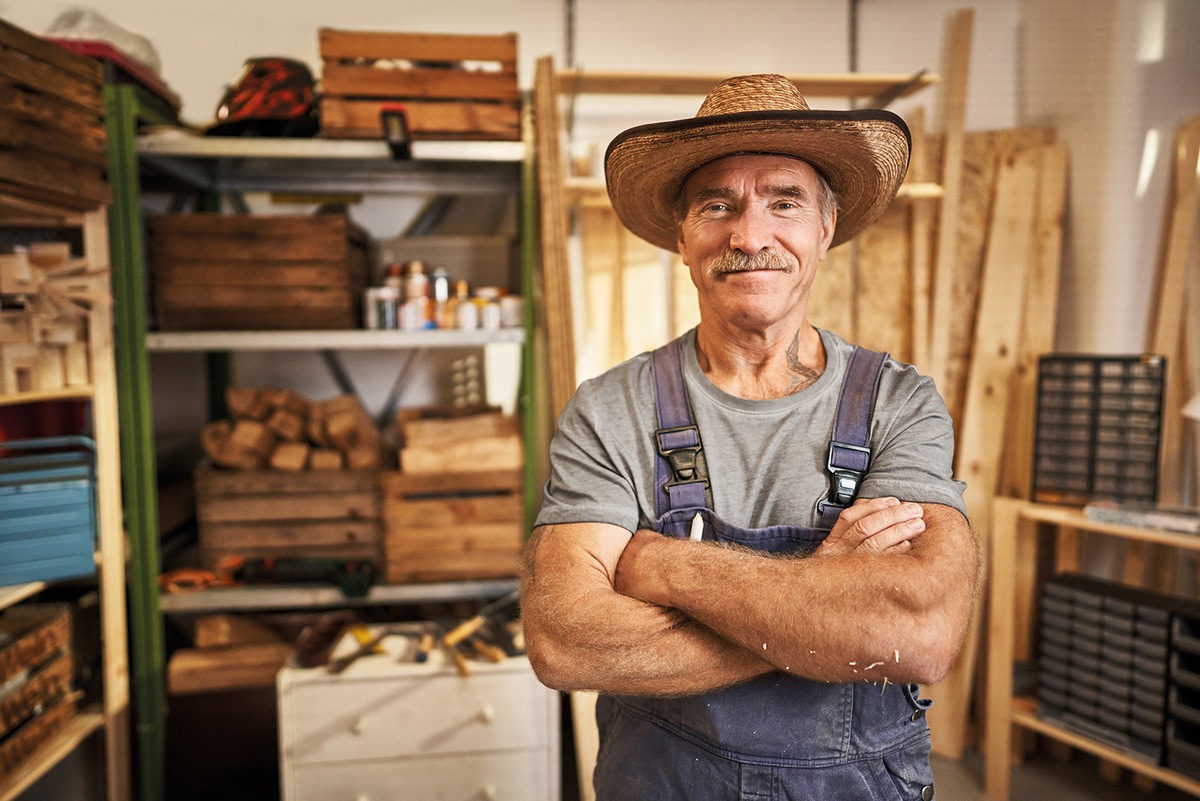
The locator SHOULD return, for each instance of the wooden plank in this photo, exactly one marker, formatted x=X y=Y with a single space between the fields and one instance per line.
x=505 y=537
x=271 y=508
x=36 y=139
x=1040 y=321
x=998 y=331
x=1005 y=525
x=231 y=667
x=954 y=101
x=277 y=534
x=359 y=119
x=1170 y=300
x=56 y=180
x=33 y=109
x=79 y=67
x=334 y=43
x=884 y=297
x=442 y=512
x=211 y=557
x=366 y=81
x=641 y=83
x=452 y=566
x=399 y=485
x=197 y=274
x=54 y=84
x=921 y=219
x=255 y=319
x=249 y=298
x=260 y=482
x=553 y=225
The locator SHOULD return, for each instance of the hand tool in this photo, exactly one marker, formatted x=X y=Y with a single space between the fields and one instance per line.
x=468 y=627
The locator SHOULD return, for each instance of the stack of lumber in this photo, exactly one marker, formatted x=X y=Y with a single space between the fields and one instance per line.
x=283 y=430
x=47 y=295
x=52 y=135
x=449 y=86
x=231 y=652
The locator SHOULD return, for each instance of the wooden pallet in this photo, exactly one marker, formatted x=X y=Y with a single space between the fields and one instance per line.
x=451 y=86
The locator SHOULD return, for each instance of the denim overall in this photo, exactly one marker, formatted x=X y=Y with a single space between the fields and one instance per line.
x=777 y=737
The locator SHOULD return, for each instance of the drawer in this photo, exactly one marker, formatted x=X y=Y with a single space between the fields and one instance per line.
x=398 y=712
x=522 y=775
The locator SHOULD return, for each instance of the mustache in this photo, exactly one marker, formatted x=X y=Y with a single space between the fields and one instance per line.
x=735 y=261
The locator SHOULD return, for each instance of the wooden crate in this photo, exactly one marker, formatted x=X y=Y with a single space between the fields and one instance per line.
x=19 y=746
x=52 y=135
x=261 y=513
x=452 y=86
x=41 y=687
x=35 y=634
x=256 y=272
x=451 y=526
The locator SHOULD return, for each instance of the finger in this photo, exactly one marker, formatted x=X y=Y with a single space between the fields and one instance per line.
x=888 y=516
x=899 y=535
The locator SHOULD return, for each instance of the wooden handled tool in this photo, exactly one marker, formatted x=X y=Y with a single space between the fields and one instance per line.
x=468 y=627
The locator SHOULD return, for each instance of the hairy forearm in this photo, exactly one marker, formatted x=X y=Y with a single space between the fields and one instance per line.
x=581 y=634
x=864 y=615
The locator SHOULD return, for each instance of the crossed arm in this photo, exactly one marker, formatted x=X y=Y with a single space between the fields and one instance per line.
x=887 y=595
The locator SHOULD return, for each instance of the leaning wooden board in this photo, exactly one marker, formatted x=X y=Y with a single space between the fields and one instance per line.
x=451 y=86
x=52 y=135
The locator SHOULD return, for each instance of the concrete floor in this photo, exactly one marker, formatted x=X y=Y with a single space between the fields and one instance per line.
x=1042 y=777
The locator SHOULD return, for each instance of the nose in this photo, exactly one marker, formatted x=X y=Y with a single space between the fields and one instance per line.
x=751 y=231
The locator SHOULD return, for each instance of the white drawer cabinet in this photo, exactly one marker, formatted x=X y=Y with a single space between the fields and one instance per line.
x=387 y=730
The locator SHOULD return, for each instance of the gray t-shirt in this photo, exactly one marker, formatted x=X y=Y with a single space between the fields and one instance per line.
x=766 y=459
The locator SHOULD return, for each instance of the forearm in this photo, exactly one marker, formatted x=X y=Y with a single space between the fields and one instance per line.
x=581 y=634
x=899 y=614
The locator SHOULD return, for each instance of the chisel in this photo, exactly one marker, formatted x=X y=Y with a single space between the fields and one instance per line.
x=468 y=627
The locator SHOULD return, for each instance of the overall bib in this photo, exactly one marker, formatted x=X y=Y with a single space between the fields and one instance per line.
x=777 y=737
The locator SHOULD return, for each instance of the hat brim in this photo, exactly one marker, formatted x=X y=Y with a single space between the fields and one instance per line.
x=863 y=155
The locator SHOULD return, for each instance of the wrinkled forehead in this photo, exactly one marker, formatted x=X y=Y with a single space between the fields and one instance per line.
x=738 y=168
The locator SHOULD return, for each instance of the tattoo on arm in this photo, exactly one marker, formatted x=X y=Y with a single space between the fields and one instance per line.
x=802 y=376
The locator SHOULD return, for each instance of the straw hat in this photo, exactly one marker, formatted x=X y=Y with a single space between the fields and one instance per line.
x=863 y=153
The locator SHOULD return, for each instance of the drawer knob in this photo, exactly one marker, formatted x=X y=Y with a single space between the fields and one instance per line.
x=489 y=792
x=359 y=726
x=487 y=715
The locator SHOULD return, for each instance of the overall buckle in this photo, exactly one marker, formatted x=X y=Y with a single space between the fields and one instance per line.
x=681 y=448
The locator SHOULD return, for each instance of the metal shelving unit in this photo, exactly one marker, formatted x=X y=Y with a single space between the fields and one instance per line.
x=240 y=165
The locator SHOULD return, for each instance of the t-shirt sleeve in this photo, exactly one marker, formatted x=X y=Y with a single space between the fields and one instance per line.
x=914 y=457
x=586 y=483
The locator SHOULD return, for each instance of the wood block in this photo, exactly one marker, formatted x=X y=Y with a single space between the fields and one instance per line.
x=18 y=369
x=286 y=424
x=214 y=631
x=253 y=436
x=290 y=456
x=57 y=329
x=435 y=426
x=365 y=457
x=51 y=367
x=480 y=453
x=326 y=459
x=232 y=667
x=17 y=275
x=49 y=254
x=77 y=364
x=291 y=401
x=249 y=403
x=16 y=327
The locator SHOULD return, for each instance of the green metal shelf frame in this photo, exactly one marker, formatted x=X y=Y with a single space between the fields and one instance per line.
x=126 y=107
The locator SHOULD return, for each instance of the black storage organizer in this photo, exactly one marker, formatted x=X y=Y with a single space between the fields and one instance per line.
x=1122 y=666
x=1099 y=421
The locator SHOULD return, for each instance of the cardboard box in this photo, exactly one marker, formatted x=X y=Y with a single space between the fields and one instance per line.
x=256 y=272
x=451 y=86
x=452 y=526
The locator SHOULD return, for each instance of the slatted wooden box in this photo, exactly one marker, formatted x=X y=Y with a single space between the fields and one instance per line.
x=256 y=272
x=452 y=86
x=52 y=135
x=262 y=513
x=36 y=672
x=452 y=526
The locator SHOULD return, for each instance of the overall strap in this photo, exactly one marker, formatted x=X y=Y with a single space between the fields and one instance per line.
x=681 y=475
x=849 y=454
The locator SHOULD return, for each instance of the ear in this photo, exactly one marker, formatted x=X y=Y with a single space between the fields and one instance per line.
x=827 y=233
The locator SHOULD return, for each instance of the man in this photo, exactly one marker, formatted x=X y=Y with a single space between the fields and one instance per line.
x=753 y=557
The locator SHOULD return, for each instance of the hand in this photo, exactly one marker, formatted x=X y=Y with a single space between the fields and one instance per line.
x=875 y=524
x=629 y=579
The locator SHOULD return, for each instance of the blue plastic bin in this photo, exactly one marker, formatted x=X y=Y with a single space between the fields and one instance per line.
x=47 y=509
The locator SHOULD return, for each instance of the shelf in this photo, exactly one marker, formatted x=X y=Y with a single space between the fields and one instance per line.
x=51 y=753
x=326 y=340
x=12 y=594
x=1024 y=714
x=312 y=597
x=69 y=393
x=1070 y=517
x=246 y=164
